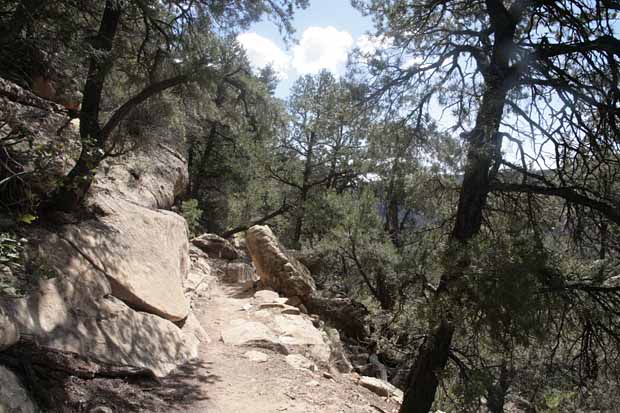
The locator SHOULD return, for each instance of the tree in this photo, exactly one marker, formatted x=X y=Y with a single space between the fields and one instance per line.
x=151 y=34
x=495 y=64
x=226 y=120
x=322 y=147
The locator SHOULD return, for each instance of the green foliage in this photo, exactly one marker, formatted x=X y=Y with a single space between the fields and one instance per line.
x=557 y=401
x=18 y=273
x=192 y=214
x=501 y=287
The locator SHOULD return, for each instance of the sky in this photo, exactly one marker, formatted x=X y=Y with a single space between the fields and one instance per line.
x=325 y=32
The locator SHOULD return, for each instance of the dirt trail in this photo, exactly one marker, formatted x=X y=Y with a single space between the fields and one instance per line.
x=223 y=380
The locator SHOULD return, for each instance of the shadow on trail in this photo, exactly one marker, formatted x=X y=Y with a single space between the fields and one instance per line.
x=187 y=385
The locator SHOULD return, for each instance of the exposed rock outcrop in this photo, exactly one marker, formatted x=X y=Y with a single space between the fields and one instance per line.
x=143 y=253
x=9 y=332
x=256 y=356
x=200 y=276
x=382 y=388
x=216 y=247
x=118 y=286
x=275 y=267
x=151 y=177
x=272 y=325
x=76 y=313
x=242 y=332
x=45 y=144
x=299 y=362
x=338 y=357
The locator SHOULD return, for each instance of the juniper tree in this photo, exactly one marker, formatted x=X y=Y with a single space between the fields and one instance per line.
x=506 y=69
x=160 y=44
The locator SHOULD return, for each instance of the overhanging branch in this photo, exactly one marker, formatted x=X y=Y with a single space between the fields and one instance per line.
x=610 y=211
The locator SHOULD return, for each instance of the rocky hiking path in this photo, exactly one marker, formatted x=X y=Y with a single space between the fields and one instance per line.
x=117 y=316
x=255 y=376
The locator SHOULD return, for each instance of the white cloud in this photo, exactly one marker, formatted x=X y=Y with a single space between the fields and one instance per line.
x=368 y=45
x=322 y=48
x=261 y=51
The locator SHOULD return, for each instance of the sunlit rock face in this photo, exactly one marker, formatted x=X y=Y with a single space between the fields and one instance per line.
x=116 y=291
x=275 y=267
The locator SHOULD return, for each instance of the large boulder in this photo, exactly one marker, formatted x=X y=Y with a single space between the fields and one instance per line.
x=76 y=313
x=240 y=332
x=118 y=286
x=143 y=253
x=215 y=246
x=338 y=358
x=275 y=267
x=201 y=275
x=238 y=273
x=382 y=388
x=13 y=396
x=299 y=335
x=151 y=177
x=344 y=314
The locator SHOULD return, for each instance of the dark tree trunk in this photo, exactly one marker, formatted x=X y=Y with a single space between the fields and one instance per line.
x=384 y=292
x=393 y=199
x=496 y=392
x=299 y=218
x=433 y=354
x=305 y=188
x=482 y=157
x=75 y=185
x=392 y=223
x=424 y=376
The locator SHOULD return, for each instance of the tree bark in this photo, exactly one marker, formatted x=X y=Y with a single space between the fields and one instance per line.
x=424 y=376
x=482 y=160
x=305 y=188
x=75 y=185
x=384 y=291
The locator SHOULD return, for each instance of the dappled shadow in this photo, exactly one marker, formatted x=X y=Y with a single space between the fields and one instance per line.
x=80 y=312
x=187 y=384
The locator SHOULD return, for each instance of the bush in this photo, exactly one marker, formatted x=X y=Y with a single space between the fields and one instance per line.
x=18 y=275
x=192 y=214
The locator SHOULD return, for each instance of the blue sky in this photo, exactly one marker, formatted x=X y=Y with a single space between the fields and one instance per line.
x=325 y=32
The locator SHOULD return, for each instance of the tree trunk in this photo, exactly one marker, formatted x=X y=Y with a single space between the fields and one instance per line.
x=299 y=218
x=305 y=185
x=483 y=157
x=424 y=376
x=384 y=292
x=393 y=199
x=71 y=192
x=69 y=196
x=496 y=392
x=392 y=223
x=433 y=355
